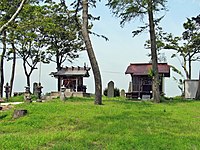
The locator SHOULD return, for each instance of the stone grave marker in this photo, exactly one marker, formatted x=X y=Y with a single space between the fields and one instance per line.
x=35 y=88
x=122 y=93
x=110 y=89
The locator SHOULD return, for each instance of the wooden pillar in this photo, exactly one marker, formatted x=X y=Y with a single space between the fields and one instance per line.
x=76 y=84
x=132 y=82
x=61 y=82
x=163 y=84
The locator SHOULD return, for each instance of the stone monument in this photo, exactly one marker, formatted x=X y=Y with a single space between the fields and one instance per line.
x=110 y=89
x=122 y=93
x=27 y=94
x=7 y=91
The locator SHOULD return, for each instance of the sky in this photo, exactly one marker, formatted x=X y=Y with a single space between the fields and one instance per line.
x=115 y=55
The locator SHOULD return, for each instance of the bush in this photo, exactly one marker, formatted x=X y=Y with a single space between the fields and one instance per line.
x=116 y=92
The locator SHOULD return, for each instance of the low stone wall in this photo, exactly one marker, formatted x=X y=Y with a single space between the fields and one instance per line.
x=54 y=94
x=190 y=88
x=67 y=95
x=76 y=94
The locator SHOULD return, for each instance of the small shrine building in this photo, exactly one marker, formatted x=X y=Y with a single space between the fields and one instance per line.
x=141 y=82
x=71 y=78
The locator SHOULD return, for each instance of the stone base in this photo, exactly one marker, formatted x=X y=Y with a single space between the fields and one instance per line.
x=28 y=101
x=76 y=94
x=39 y=100
x=19 y=113
x=2 y=100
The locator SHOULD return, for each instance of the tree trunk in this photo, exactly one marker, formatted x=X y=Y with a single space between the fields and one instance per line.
x=58 y=69
x=91 y=55
x=155 y=83
x=13 y=69
x=190 y=67
x=2 y=63
x=184 y=66
x=26 y=73
x=13 y=17
x=197 y=97
x=28 y=80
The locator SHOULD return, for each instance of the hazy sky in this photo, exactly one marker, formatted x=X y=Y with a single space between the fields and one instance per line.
x=122 y=49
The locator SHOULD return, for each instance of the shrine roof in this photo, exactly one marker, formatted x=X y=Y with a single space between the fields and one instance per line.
x=144 y=68
x=72 y=71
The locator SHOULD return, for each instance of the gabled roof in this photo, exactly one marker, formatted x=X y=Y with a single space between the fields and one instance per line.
x=72 y=71
x=144 y=68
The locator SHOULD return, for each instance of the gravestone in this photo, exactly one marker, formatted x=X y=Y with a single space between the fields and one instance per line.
x=110 y=89
x=35 y=88
x=122 y=93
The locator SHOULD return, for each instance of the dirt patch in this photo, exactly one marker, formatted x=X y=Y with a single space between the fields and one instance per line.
x=7 y=107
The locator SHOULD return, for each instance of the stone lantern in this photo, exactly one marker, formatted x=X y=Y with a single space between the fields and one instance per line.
x=27 y=94
x=62 y=93
x=39 y=92
x=7 y=90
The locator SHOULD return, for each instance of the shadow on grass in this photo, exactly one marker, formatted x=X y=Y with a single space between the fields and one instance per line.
x=175 y=101
x=77 y=99
x=3 y=116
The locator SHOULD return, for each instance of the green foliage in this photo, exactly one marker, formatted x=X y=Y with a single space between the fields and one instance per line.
x=185 y=46
x=48 y=29
x=129 y=10
x=19 y=98
x=151 y=72
x=160 y=36
x=77 y=124
x=61 y=31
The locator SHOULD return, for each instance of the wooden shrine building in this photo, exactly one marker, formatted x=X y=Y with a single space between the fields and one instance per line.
x=71 y=78
x=141 y=82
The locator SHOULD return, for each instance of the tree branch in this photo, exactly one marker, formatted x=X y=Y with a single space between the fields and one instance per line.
x=13 y=17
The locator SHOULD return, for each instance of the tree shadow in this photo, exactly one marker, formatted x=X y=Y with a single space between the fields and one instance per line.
x=3 y=116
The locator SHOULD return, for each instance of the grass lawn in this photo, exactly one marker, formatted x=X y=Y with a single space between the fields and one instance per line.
x=79 y=124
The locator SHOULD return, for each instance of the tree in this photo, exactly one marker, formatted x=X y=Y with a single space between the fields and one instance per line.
x=61 y=34
x=91 y=54
x=186 y=46
x=27 y=38
x=8 y=14
x=13 y=68
x=128 y=10
x=3 y=27
x=3 y=39
x=160 y=35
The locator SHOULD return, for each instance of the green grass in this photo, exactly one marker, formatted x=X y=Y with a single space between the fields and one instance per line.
x=117 y=125
x=19 y=98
